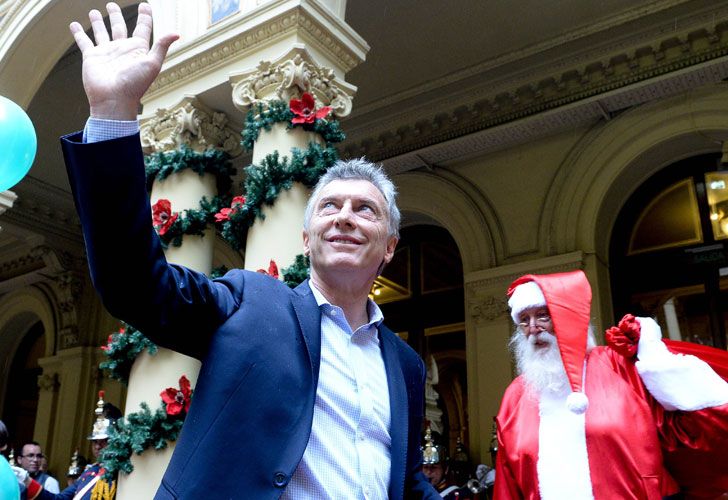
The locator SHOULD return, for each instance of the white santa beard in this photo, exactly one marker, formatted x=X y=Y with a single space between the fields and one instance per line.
x=540 y=366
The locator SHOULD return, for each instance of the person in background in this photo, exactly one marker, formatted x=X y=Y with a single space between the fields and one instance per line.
x=435 y=466
x=635 y=419
x=91 y=484
x=30 y=459
x=78 y=465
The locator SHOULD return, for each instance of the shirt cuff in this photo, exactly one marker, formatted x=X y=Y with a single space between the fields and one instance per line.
x=98 y=129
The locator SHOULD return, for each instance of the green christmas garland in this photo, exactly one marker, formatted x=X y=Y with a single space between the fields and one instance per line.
x=264 y=183
x=192 y=221
x=159 y=166
x=121 y=349
x=298 y=272
x=263 y=116
x=137 y=432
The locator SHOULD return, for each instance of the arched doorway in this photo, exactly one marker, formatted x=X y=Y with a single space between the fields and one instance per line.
x=421 y=295
x=21 y=397
x=669 y=251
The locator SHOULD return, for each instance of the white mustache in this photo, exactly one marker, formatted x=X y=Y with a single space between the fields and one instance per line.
x=542 y=337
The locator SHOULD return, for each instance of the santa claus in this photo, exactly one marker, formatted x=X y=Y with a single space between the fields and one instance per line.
x=635 y=420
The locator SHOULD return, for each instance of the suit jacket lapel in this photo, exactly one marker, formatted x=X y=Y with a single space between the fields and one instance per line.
x=399 y=410
x=309 y=318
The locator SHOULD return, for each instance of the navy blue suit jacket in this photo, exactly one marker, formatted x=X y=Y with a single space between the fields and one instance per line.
x=259 y=342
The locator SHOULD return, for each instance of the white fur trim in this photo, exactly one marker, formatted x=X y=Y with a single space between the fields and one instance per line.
x=577 y=402
x=676 y=381
x=525 y=296
x=563 y=464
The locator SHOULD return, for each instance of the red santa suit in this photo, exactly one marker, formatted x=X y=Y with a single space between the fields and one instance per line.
x=647 y=422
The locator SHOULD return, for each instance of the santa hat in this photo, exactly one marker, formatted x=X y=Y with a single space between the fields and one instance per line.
x=568 y=298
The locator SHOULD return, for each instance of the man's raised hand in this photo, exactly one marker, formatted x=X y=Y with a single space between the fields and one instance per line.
x=118 y=69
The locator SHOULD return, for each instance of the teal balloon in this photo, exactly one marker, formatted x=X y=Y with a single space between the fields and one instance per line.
x=18 y=143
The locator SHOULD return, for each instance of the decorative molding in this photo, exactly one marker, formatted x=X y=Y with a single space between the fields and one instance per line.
x=49 y=382
x=289 y=77
x=487 y=281
x=58 y=274
x=250 y=41
x=190 y=123
x=43 y=208
x=487 y=308
x=21 y=265
x=665 y=66
x=68 y=338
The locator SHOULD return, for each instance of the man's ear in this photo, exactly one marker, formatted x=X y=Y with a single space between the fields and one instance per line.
x=306 y=248
x=391 y=245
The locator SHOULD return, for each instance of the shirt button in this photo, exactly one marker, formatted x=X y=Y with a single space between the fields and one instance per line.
x=279 y=479
x=333 y=312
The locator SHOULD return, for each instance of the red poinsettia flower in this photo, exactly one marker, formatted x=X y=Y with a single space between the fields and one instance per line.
x=122 y=330
x=177 y=399
x=109 y=341
x=162 y=216
x=225 y=213
x=624 y=337
x=304 y=109
x=272 y=269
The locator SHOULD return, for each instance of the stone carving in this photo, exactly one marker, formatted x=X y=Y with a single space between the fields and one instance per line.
x=432 y=413
x=49 y=382
x=289 y=79
x=488 y=308
x=189 y=124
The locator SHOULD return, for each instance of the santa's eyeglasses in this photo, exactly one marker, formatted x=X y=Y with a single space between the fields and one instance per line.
x=542 y=320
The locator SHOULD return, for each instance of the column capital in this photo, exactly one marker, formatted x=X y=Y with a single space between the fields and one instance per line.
x=288 y=77
x=49 y=382
x=189 y=122
x=7 y=198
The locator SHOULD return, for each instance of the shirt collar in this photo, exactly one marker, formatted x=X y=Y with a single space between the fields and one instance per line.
x=373 y=310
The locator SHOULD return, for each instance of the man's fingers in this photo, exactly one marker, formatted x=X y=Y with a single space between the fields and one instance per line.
x=82 y=40
x=97 y=24
x=143 y=27
x=161 y=46
x=116 y=20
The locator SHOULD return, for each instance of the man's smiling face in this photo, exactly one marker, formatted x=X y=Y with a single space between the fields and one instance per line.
x=348 y=230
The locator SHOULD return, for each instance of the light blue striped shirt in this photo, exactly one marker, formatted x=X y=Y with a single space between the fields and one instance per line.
x=348 y=453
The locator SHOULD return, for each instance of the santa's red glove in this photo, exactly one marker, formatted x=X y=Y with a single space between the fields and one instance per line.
x=624 y=337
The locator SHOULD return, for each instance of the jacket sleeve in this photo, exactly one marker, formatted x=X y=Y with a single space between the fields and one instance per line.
x=417 y=485
x=126 y=260
x=66 y=494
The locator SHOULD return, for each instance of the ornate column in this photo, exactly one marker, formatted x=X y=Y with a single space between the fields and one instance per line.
x=277 y=235
x=7 y=198
x=184 y=132
x=488 y=330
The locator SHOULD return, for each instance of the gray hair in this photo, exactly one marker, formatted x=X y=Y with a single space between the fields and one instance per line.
x=359 y=169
